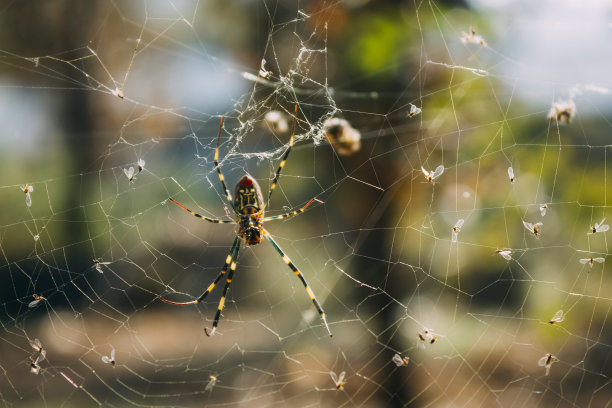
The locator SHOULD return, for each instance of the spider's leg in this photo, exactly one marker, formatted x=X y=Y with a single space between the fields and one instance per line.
x=231 y=256
x=225 y=289
x=290 y=214
x=299 y=275
x=214 y=221
x=221 y=178
x=284 y=159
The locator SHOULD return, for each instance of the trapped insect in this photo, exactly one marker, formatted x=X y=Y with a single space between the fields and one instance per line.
x=430 y=176
x=511 y=174
x=40 y=354
x=98 y=264
x=342 y=136
x=590 y=261
x=109 y=359
x=472 y=38
x=543 y=209
x=211 y=383
x=27 y=189
x=129 y=173
x=562 y=112
x=456 y=229
x=601 y=227
x=426 y=337
x=338 y=380
x=505 y=253
x=413 y=111
x=557 y=318
x=140 y=164
x=36 y=301
x=277 y=121
x=534 y=228
x=547 y=361
x=400 y=361
x=249 y=206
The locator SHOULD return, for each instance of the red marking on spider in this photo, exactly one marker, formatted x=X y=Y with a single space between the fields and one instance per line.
x=246 y=182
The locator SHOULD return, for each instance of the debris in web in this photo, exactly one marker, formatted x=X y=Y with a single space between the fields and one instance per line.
x=456 y=229
x=591 y=261
x=109 y=359
x=212 y=381
x=472 y=38
x=413 y=111
x=276 y=121
x=533 y=228
x=425 y=337
x=342 y=136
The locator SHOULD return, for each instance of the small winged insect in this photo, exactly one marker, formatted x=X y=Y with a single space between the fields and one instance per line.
x=413 y=111
x=590 y=261
x=338 y=380
x=109 y=359
x=98 y=264
x=562 y=112
x=36 y=301
x=342 y=136
x=400 y=361
x=141 y=164
x=39 y=355
x=211 y=383
x=557 y=318
x=505 y=253
x=547 y=361
x=277 y=121
x=543 y=209
x=426 y=337
x=432 y=175
x=535 y=228
x=263 y=72
x=456 y=229
x=129 y=173
x=472 y=38
x=27 y=189
x=511 y=174
x=599 y=227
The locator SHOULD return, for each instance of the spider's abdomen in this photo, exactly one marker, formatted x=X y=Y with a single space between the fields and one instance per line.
x=247 y=196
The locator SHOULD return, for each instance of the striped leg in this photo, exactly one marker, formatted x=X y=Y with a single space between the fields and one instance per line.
x=231 y=256
x=291 y=214
x=214 y=221
x=284 y=159
x=299 y=275
x=225 y=289
x=221 y=178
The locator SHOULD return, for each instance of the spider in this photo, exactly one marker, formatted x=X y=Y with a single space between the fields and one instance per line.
x=248 y=205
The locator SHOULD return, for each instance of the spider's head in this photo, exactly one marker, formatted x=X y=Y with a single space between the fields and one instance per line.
x=247 y=196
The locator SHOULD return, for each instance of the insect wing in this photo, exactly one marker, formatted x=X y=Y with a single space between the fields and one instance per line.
x=425 y=172
x=558 y=317
x=129 y=173
x=602 y=228
x=211 y=383
x=112 y=355
x=36 y=345
x=34 y=369
x=341 y=377
x=505 y=254
x=459 y=223
x=334 y=377
x=106 y=360
x=455 y=234
x=141 y=164
x=599 y=260
x=437 y=172
x=528 y=226
x=511 y=174
x=542 y=361
x=584 y=261
x=34 y=303
x=543 y=209
x=28 y=199
x=397 y=359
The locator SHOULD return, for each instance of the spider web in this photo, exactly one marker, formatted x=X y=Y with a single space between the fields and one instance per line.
x=91 y=89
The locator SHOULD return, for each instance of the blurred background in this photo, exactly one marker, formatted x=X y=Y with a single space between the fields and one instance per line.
x=89 y=89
